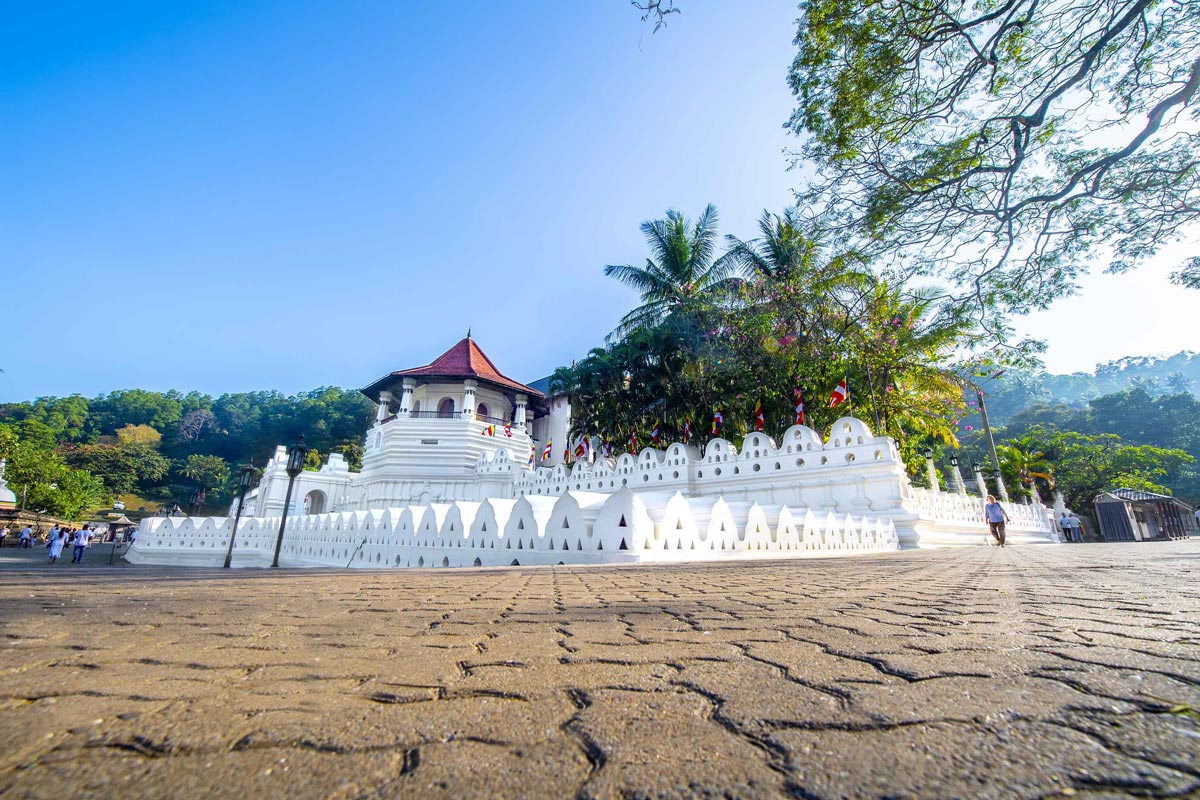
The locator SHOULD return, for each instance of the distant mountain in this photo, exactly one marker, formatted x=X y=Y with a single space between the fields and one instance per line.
x=1016 y=391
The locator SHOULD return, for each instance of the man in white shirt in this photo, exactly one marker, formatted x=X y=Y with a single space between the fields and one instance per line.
x=82 y=540
x=26 y=536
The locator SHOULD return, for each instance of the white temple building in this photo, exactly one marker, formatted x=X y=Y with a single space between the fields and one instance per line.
x=449 y=479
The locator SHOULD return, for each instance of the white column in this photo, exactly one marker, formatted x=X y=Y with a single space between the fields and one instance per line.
x=385 y=400
x=519 y=412
x=406 y=395
x=469 y=387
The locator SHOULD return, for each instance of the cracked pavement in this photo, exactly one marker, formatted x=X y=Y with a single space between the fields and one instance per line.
x=973 y=672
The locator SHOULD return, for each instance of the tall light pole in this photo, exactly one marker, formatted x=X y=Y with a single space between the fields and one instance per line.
x=244 y=483
x=987 y=429
x=295 y=465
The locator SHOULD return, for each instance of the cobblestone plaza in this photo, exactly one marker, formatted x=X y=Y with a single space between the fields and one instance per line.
x=971 y=672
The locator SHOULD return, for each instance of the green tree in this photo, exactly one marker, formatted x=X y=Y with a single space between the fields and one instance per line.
x=123 y=469
x=135 y=435
x=208 y=472
x=1087 y=465
x=683 y=268
x=1001 y=145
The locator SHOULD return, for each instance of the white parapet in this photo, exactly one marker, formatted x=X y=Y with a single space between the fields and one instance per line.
x=800 y=497
x=588 y=528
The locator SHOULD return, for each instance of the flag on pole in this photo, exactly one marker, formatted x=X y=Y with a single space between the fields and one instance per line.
x=566 y=453
x=840 y=395
x=633 y=442
x=718 y=421
x=687 y=431
x=547 y=451
x=799 y=408
x=531 y=456
x=580 y=450
x=489 y=430
x=508 y=429
x=759 y=418
x=654 y=434
x=607 y=449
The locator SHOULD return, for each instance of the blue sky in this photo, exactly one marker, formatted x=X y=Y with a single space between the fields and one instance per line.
x=235 y=196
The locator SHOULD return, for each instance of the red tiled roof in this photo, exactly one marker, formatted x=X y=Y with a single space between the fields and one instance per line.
x=463 y=360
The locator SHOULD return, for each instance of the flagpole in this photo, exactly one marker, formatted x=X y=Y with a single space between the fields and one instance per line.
x=874 y=408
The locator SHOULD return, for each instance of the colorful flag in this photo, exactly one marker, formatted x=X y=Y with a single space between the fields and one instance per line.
x=633 y=442
x=508 y=429
x=654 y=433
x=608 y=449
x=840 y=395
x=718 y=421
x=566 y=454
x=547 y=451
x=759 y=418
x=489 y=430
x=687 y=431
x=531 y=456
x=799 y=408
x=580 y=450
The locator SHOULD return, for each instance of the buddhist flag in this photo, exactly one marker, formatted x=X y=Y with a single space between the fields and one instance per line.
x=566 y=453
x=531 y=456
x=718 y=421
x=547 y=450
x=799 y=408
x=759 y=418
x=489 y=430
x=633 y=442
x=687 y=431
x=580 y=450
x=608 y=449
x=840 y=395
x=508 y=429
x=654 y=434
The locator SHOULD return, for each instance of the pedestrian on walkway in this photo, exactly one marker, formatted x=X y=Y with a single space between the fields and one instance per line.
x=56 y=545
x=82 y=540
x=996 y=517
x=1076 y=529
x=26 y=537
x=3 y=534
x=50 y=537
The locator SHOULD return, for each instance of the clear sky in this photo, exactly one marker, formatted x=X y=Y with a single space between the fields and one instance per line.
x=269 y=195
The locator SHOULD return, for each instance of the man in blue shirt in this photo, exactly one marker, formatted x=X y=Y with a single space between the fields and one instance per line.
x=996 y=516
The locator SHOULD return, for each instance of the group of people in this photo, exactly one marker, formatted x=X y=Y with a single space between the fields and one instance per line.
x=25 y=538
x=1072 y=528
x=80 y=540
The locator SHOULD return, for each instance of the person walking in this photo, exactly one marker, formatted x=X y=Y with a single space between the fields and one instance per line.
x=26 y=537
x=996 y=516
x=56 y=545
x=54 y=529
x=82 y=540
x=3 y=534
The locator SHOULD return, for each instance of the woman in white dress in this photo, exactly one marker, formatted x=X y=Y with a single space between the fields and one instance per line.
x=56 y=546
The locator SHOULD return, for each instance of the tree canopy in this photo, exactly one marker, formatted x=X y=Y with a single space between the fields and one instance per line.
x=1004 y=147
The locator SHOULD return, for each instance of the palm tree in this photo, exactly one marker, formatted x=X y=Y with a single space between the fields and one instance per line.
x=783 y=250
x=682 y=270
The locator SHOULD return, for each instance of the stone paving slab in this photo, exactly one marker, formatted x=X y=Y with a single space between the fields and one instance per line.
x=975 y=672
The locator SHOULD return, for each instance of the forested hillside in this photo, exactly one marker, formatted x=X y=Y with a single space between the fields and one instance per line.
x=71 y=454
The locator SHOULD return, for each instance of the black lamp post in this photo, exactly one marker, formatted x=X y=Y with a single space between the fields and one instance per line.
x=296 y=454
x=245 y=481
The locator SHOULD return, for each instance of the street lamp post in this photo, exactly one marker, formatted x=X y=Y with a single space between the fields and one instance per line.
x=987 y=428
x=295 y=465
x=931 y=470
x=956 y=476
x=244 y=483
x=980 y=483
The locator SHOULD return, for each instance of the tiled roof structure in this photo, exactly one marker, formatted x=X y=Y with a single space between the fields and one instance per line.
x=462 y=361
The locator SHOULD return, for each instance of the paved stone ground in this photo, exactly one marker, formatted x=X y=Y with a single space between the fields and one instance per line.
x=978 y=672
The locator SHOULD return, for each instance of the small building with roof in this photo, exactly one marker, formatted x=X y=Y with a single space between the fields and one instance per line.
x=434 y=425
x=1137 y=515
